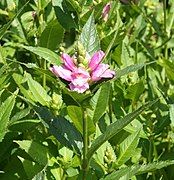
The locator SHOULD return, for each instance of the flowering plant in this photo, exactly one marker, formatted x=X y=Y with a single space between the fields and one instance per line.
x=85 y=124
x=82 y=74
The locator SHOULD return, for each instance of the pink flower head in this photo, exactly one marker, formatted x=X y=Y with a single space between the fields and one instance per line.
x=79 y=89
x=105 y=11
x=68 y=61
x=62 y=71
x=96 y=59
x=79 y=76
x=79 y=81
x=102 y=71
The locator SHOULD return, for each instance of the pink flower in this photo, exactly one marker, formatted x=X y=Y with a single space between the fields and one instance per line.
x=68 y=61
x=79 y=77
x=105 y=11
x=79 y=81
x=79 y=89
x=62 y=71
x=102 y=71
x=96 y=59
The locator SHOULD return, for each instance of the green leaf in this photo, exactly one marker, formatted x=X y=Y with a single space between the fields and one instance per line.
x=75 y=5
x=63 y=15
x=114 y=38
x=171 y=111
x=99 y=102
x=6 y=26
x=89 y=38
x=39 y=93
x=72 y=172
x=5 y=112
x=62 y=129
x=21 y=114
x=31 y=168
x=128 y=70
x=78 y=98
x=2 y=55
x=23 y=125
x=127 y=148
x=52 y=35
x=136 y=170
x=133 y=126
x=116 y=127
x=76 y=115
x=37 y=151
x=133 y=92
x=46 y=54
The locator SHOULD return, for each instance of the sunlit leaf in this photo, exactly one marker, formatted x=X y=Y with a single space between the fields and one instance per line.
x=136 y=170
x=89 y=38
x=46 y=54
x=62 y=129
x=52 y=35
x=5 y=112
x=39 y=93
x=6 y=26
x=37 y=151
x=127 y=148
x=115 y=127
x=99 y=102
x=63 y=15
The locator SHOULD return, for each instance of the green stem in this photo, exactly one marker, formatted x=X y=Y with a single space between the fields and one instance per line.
x=165 y=27
x=44 y=75
x=40 y=16
x=85 y=161
x=41 y=20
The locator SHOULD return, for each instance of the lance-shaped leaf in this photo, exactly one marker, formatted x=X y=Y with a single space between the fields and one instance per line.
x=39 y=93
x=65 y=18
x=62 y=129
x=5 y=112
x=76 y=116
x=6 y=26
x=37 y=151
x=171 y=111
x=31 y=168
x=89 y=38
x=52 y=35
x=129 y=69
x=99 y=102
x=136 y=170
x=46 y=54
x=116 y=127
x=127 y=148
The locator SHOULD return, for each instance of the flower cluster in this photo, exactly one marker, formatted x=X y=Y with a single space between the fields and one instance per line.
x=81 y=75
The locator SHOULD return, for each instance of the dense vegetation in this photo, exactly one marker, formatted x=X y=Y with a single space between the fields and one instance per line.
x=119 y=128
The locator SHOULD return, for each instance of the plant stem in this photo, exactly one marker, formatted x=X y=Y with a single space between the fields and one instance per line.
x=165 y=27
x=40 y=16
x=85 y=161
x=41 y=20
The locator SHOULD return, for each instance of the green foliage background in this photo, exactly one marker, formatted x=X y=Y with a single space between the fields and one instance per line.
x=130 y=118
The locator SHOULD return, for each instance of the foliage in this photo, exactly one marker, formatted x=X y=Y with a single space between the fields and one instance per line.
x=122 y=128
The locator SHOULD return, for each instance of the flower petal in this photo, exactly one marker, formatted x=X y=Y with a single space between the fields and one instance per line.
x=79 y=89
x=62 y=71
x=102 y=71
x=79 y=76
x=68 y=61
x=108 y=74
x=95 y=60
